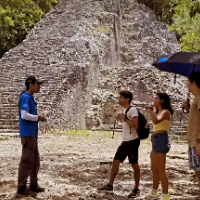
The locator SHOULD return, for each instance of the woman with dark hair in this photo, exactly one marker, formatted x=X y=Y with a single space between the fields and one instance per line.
x=161 y=120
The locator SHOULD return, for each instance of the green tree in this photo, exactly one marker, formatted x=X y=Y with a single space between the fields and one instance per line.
x=183 y=18
x=17 y=18
x=46 y=5
x=190 y=41
x=185 y=22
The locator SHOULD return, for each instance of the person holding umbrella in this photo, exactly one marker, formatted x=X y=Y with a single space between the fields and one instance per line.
x=160 y=142
x=188 y=64
x=28 y=121
x=193 y=130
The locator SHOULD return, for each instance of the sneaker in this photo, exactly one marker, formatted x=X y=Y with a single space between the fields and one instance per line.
x=106 y=188
x=152 y=195
x=135 y=193
x=36 y=188
x=25 y=193
x=165 y=197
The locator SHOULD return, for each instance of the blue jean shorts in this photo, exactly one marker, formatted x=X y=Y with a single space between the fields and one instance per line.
x=160 y=143
x=194 y=160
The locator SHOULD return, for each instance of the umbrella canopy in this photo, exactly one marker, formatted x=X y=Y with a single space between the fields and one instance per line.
x=183 y=63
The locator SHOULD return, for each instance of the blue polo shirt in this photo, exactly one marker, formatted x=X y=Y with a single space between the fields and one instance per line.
x=27 y=128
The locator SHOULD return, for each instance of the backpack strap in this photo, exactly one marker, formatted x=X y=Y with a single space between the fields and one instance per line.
x=126 y=115
x=127 y=111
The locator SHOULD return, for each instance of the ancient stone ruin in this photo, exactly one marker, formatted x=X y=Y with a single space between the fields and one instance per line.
x=86 y=51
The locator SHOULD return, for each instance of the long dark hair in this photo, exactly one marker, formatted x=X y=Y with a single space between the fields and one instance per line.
x=166 y=102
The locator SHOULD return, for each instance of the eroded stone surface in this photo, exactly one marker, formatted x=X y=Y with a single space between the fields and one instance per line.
x=88 y=50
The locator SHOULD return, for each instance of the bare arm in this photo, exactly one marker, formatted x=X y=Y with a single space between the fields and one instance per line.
x=198 y=107
x=199 y=133
x=131 y=118
x=186 y=107
x=198 y=143
x=133 y=122
x=164 y=115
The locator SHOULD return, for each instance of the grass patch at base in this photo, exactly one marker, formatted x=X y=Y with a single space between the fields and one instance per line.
x=83 y=133
x=3 y=138
x=103 y=29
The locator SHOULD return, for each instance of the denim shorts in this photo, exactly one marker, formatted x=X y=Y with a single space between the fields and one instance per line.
x=194 y=159
x=160 y=143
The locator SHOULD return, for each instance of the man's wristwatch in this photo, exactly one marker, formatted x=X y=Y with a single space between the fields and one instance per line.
x=198 y=140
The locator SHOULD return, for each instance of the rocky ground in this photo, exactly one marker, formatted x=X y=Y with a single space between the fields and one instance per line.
x=73 y=166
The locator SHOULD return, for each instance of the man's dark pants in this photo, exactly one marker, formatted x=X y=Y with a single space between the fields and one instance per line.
x=30 y=162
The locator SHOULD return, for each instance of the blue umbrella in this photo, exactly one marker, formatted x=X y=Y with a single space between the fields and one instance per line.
x=183 y=63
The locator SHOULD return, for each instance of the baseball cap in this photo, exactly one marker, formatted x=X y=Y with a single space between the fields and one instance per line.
x=32 y=79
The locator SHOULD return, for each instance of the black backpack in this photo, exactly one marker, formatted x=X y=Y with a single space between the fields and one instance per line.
x=143 y=126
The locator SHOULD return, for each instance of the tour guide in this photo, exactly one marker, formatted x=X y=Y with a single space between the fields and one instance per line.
x=28 y=121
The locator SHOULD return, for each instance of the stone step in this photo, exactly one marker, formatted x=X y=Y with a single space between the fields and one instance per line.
x=9 y=92
x=175 y=130
x=8 y=121
x=3 y=131
x=9 y=100
x=178 y=128
x=12 y=99
x=14 y=102
x=8 y=113
x=180 y=124
x=10 y=134
x=178 y=133
x=14 y=127
x=45 y=102
x=11 y=109
x=15 y=106
x=9 y=117
x=13 y=120
x=17 y=93
x=9 y=88
x=6 y=105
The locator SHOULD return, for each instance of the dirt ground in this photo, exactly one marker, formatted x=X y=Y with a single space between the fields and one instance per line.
x=73 y=166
